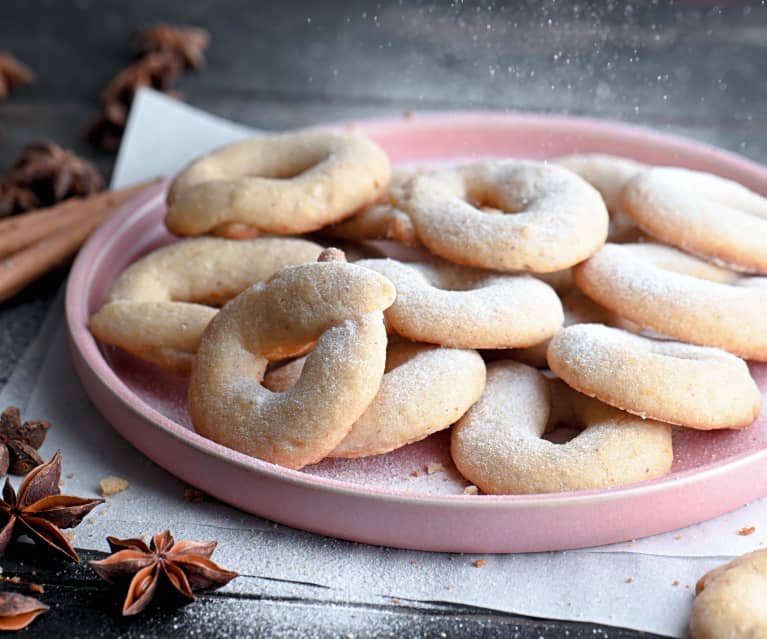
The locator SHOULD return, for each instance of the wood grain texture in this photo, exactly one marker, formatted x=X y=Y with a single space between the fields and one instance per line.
x=692 y=67
x=82 y=605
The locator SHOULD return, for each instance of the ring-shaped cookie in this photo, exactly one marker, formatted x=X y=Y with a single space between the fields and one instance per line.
x=377 y=222
x=498 y=444
x=729 y=600
x=455 y=306
x=337 y=304
x=648 y=292
x=425 y=389
x=159 y=306
x=386 y=220
x=701 y=213
x=545 y=218
x=608 y=174
x=578 y=309
x=694 y=386
x=289 y=183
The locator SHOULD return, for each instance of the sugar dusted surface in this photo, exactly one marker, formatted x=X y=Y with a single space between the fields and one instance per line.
x=404 y=470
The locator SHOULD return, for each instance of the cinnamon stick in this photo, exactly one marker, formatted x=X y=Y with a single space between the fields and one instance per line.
x=20 y=231
x=38 y=256
x=23 y=230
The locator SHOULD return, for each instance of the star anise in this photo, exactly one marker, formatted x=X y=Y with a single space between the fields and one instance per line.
x=105 y=134
x=184 y=566
x=39 y=511
x=19 y=442
x=17 y=611
x=16 y=199
x=12 y=74
x=157 y=71
x=54 y=174
x=188 y=43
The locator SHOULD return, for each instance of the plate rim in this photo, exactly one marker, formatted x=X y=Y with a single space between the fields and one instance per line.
x=132 y=212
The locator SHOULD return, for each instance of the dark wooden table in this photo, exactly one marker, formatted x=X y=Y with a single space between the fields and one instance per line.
x=694 y=68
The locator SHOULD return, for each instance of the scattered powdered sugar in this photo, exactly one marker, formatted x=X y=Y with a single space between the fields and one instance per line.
x=585 y=341
x=467 y=307
x=701 y=213
x=160 y=389
x=678 y=305
x=403 y=470
x=606 y=173
x=559 y=219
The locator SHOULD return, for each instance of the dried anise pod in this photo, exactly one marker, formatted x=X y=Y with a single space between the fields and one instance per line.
x=183 y=565
x=17 y=611
x=39 y=511
x=54 y=174
x=19 y=442
x=16 y=199
x=157 y=71
x=12 y=74
x=105 y=134
x=188 y=43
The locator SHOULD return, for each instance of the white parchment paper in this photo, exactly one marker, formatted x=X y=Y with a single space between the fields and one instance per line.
x=645 y=584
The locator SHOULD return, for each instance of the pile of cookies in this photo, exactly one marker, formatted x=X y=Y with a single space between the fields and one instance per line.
x=590 y=292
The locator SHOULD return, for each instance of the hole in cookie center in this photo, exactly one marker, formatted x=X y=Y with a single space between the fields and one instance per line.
x=213 y=300
x=491 y=209
x=496 y=203
x=281 y=375
x=292 y=168
x=453 y=279
x=561 y=433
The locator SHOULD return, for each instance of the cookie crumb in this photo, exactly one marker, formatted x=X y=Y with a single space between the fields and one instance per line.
x=747 y=530
x=193 y=495
x=38 y=588
x=395 y=600
x=629 y=580
x=675 y=582
x=332 y=254
x=415 y=473
x=69 y=536
x=479 y=563
x=678 y=538
x=433 y=468
x=471 y=489
x=112 y=485
x=415 y=562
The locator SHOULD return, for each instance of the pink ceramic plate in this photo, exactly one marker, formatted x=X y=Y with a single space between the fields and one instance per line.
x=392 y=499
